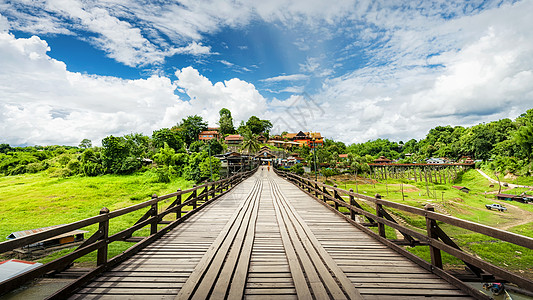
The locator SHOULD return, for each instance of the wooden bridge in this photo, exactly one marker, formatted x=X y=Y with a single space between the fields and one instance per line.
x=267 y=238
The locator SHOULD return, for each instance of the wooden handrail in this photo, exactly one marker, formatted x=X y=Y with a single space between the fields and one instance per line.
x=100 y=239
x=320 y=192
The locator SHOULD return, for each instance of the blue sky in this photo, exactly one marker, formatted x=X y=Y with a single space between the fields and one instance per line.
x=353 y=70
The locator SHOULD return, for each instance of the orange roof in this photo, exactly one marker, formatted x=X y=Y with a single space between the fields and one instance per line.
x=233 y=137
x=289 y=135
x=209 y=132
x=343 y=155
x=315 y=135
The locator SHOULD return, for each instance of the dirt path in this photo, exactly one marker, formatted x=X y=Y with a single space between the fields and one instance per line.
x=519 y=216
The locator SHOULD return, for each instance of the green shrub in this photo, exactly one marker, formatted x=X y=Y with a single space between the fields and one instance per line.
x=90 y=168
x=74 y=166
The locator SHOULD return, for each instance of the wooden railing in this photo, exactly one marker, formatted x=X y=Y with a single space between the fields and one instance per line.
x=100 y=240
x=434 y=237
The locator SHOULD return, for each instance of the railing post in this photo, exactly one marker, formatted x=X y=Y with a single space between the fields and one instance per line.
x=316 y=190
x=324 y=193
x=103 y=228
x=431 y=225
x=379 y=210
x=178 y=202
x=153 y=224
x=336 y=196
x=194 y=196
x=352 y=202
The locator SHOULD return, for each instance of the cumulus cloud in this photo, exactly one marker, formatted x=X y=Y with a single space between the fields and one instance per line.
x=457 y=63
x=41 y=102
x=240 y=97
x=486 y=76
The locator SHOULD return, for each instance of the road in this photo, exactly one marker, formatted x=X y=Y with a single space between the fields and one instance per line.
x=510 y=185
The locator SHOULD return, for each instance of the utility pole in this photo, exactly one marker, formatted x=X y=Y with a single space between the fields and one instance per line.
x=210 y=166
x=314 y=156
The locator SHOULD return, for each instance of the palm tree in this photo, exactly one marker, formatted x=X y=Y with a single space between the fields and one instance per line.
x=249 y=143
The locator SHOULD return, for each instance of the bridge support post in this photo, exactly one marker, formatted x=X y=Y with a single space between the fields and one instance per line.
x=336 y=196
x=352 y=202
x=431 y=226
x=178 y=203
x=103 y=228
x=379 y=214
x=153 y=224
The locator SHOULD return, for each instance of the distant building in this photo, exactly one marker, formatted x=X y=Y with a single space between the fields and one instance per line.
x=461 y=188
x=208 y=135
x=382 y=160
x=466 y=160
x=509 y=197
x=261 y=139
x=310 y=139
x=234 y=139
x=436 y=160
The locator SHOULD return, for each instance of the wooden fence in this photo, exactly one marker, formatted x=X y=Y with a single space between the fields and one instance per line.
x=100 y=240
x=434 y=237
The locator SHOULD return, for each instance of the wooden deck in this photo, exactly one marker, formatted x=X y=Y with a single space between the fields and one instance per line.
x=266 y=239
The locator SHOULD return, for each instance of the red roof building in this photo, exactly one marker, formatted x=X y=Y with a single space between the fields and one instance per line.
x=233 y=139
x=208 y=135
x=382 y=160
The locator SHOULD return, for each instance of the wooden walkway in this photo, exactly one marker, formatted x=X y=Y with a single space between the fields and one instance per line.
x=266 y=239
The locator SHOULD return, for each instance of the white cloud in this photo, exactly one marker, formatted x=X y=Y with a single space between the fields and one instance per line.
x=226 y=63
x=68 y=107
x=484 y=74
x=293 y=77
x=4 y=24
x=310 y=65
x=240 y=97
x=193 y=48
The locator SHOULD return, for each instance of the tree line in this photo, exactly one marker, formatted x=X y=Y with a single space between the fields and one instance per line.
x=167 y=153
x=504 y=146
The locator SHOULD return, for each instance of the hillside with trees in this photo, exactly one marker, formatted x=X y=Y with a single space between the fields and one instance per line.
x=504 y=146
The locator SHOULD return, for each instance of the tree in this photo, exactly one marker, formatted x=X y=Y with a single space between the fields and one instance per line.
x=191 y=127
x=328 y=173
x=168 y=136
x=114 y=151
x=85 y=144
x=258 y=126
x=524 y=138
x=249 y=143
x=116 y=156
x=226 y=122
x=138 y=144
x=216 y=147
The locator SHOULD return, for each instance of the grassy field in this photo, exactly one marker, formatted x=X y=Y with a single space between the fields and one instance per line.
x=468 y=206
x=36 y=200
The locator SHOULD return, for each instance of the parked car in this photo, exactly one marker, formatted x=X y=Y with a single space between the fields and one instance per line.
x=495 y=206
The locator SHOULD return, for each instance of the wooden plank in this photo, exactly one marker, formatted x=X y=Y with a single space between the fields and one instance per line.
x=222 y=241
x=321 y=258
x=297 y=274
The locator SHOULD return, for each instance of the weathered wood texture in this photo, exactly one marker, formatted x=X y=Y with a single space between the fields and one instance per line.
x=266 y=239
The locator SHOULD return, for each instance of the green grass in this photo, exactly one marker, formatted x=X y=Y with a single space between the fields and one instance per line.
x=468 y=206
x=35 y=200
